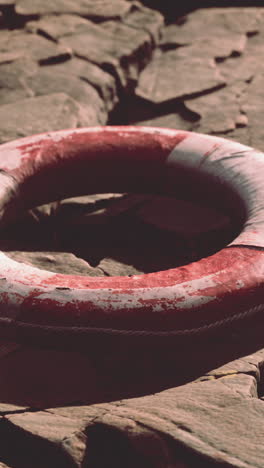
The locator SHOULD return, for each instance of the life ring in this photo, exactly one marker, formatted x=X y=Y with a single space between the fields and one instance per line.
x=223 y=287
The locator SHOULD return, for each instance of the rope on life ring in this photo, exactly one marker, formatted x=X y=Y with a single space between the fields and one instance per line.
x=193 y=299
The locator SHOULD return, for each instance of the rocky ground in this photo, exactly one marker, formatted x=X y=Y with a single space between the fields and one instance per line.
x=73 y=63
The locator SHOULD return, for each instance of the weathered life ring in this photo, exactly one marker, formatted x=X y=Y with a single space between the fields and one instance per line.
x=226 y=286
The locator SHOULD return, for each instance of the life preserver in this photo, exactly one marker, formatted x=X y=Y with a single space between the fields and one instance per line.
x=225 y=286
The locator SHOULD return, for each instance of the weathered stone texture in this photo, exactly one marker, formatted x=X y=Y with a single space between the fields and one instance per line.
x=209 y=23
x=58 y=442
x=13 y=76
x=155 y=430
x=32 y=45
x=56 y=26
x=68 y=65
x=40 y=114
x=115 y=47
x=102 y=81
x=145 y=19
x=250 y=106
x=170 y=76
x=219 y=112
x=46 y=82
x=60 y=262
x=103 y=9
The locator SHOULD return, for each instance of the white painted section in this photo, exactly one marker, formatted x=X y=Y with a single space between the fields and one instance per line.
x=239 y=165
x=18 y=287
x=191 y=152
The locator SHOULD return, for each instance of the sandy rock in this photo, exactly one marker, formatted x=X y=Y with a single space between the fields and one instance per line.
x=102 y=81
x=115 y=47
x=58 y=440
x=220 y=111
x=156 y=429
x=99 y=208
x=32 y=45
x=212 y=23
x=7 y=408
x=244 y=68
x=105 y=9
x=94 y=209
x=245 y=365
x=240 y=134
x=39 y=114
x=170 y=76
x=246 y=385
x=13 y=76
x=56 y=26
x=200 y=416
x=241 y=121
x=172 y=120
x=219 y=45
x=59 y=262
x=48 y=81
x=238 y=69
x=137 y=111
x=112 y=267
x=252 y=109
x=6 y=57
x=87 y=202
x=145 y=19
x=217 y=48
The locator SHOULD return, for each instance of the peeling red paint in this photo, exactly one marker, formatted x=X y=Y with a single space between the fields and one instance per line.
x=75 y=162
x=208 y=153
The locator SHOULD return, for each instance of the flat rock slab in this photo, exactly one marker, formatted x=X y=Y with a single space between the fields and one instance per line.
x=209 y=23
x=170 y=76
x=104 y=9
x=218 y=45
x=245 y=67
x=179 y=415
x=59 y=262
x=23 y=78
x=56 y=26
x=12 y=79
x=116 y=47
x=145 y=19
x=250 y=105
x=47 y=81
x=33 y=45
x=171 y=120
x=221 y=111
x=197 y=423
x=102 y=81
x=57 y=440
x=39 y=114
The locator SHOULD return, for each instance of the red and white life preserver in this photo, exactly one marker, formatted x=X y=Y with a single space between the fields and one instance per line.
x=211 y=291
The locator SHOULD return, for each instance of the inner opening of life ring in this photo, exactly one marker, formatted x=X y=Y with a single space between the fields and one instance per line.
x=120 y=161
x=117 y=234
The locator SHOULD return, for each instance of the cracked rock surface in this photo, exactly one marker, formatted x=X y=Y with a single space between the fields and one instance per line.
x=74 y=63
